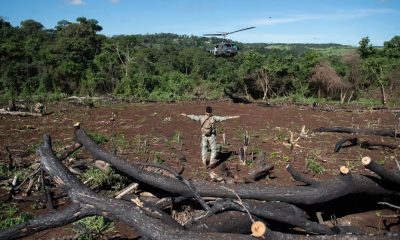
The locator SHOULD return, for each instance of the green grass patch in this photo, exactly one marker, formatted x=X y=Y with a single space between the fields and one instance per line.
x=9 y=216
x=314 y=166
x=121 y=142
x=157 y=158
x=98 y=137
x=94 y=227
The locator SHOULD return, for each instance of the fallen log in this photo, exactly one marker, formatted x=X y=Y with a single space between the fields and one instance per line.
x=236 y=99
x=69 y=150
x=258 y=173
x=188 y=184
x=327 y=191
x=355 y=141
x=280 y=212
x=301 y=178
x=223 y=223
x=389 y=176
x=19 y=113
x=377 y=132
x=71 y=214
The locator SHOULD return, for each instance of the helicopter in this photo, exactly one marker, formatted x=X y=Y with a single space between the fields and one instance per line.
x=225 y=48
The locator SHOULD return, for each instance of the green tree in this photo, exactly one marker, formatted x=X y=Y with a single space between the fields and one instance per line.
x=304 y=69
x=375 y=70
x=365 y=48
x=75 y=46
x=256 y=74
x=392 y=47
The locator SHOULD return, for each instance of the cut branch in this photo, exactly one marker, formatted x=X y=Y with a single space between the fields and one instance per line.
x=354 y=141
x=377 y=132
x=301 y=178
x=258 y=173
x=69 y=150
x=19 y=113
x=390 y=176
x=71 y=214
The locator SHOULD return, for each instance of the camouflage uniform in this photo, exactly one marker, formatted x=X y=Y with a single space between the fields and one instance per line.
x=211 y=139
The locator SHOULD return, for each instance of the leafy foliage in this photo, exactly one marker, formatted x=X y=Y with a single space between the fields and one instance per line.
x=108 y=178
x=73 y=58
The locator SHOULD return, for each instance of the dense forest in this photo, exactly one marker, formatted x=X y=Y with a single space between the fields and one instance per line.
x=74 y=58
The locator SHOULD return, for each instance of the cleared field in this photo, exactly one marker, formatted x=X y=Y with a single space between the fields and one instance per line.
x=156 y=133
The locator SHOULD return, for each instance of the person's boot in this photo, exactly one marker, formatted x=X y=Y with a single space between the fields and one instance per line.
x=213 y=163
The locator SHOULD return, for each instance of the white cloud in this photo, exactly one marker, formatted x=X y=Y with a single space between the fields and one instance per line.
x=280 y=38
x=336 y=16
x=76 y=2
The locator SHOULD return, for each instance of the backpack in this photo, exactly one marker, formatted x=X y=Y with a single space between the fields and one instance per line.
x=207 y=126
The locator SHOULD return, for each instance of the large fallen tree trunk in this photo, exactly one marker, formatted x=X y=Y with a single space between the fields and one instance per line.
x=317 y=193
x=280 y=212
x=377 y=132
x=84 y=197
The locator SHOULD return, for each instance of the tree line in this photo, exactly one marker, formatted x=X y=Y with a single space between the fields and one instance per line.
x=74 y=58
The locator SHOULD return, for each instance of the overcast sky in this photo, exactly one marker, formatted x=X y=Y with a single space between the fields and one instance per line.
x=276 y=21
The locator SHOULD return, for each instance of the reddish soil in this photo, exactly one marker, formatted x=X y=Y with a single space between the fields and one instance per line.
x=148 y=132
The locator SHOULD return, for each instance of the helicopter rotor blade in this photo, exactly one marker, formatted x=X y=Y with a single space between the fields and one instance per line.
x=214 y=34
x=240 y=30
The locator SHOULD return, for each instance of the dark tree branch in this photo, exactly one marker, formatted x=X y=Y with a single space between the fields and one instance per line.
x=69 y=151
x=223 y=222
x=301 y=178
x=390 y=176
x=188 y=184
x=354 y=141
x=279 y=212
x=71 y=214
x=258 y=173
x=377 y=132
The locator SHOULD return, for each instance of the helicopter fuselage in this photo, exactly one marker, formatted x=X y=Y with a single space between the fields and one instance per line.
x=225 y=49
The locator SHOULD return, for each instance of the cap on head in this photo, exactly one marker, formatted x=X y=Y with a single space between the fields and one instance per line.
x=208 y=109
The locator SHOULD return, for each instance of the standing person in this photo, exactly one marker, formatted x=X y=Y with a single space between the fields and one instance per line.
x=208 y=133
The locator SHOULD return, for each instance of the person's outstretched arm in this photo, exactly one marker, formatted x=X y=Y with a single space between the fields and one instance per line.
x=223 y=118
x=193 y=117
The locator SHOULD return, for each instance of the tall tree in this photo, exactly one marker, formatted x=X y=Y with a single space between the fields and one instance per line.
x=76 y=45
x=392 y=47
x=365 y=48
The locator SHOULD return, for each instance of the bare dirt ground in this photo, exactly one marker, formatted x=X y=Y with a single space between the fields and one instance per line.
x=157 y=133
